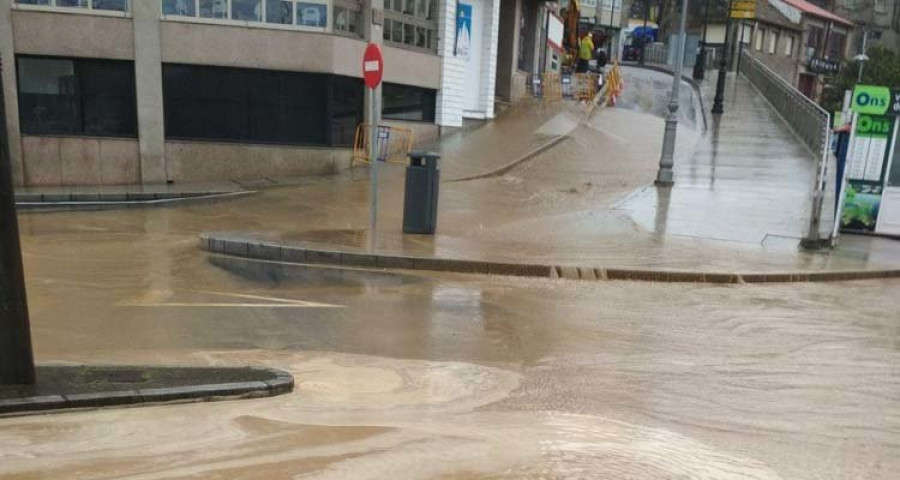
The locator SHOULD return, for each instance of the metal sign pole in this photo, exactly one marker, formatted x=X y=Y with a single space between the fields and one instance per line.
x=373 y=166
x=839 y=211
x=16 y=357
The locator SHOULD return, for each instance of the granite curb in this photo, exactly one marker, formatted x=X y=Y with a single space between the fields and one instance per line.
x=280 y=382
x=271 y=251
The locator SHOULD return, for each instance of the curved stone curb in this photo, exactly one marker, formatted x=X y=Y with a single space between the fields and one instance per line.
x=271 y=251
x=93 y=202
x=278 y=382
x=556 y=140
x=690 y=81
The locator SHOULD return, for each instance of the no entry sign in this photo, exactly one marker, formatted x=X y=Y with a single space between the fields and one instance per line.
x=373 y=66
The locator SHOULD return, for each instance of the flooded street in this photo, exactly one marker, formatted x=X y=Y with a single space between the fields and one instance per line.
x=416 y=375
x=427 y=376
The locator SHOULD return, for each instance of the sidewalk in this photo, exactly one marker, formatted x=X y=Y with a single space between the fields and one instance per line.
x=740 y=203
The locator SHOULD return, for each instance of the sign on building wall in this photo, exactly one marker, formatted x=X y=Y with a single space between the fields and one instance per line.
x=823 y=65
x=865 y=171
x=867 y=158
x=554 y=32
x=875 y=100
x=463 y=30
x=743 y=9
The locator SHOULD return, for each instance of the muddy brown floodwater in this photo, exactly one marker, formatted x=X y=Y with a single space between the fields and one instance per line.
x=421 y=376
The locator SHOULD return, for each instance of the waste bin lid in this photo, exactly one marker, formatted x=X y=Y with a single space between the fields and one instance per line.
x=423 y=154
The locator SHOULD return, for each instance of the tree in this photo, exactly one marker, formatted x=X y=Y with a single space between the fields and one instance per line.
x=882 y=68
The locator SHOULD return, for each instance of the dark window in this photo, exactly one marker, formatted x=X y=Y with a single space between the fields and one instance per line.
x=836 y=43
x=259 y=106
x=76 y=96
x=814 y=36
x=401 y=102
x=346 y=109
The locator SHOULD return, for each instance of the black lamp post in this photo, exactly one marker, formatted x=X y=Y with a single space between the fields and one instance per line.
x=700 y=62
x=644 y=30
x=718 y=107
x=16 y=358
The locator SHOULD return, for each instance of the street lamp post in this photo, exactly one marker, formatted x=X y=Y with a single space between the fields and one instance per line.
x=665 y=177
x=718 y=107
x=16 y=358
x=862 y=58
x=700 y=62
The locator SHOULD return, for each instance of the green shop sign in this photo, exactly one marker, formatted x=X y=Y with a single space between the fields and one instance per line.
x=875 y=100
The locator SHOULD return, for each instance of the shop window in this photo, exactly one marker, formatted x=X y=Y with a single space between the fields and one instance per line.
x=280 y=12
x=312 y=14
x=894 y=174
x=346 y=109
x=214 y=9
x=401 y=102
x=303 y=13
x=259 y=106
x=105 y=5
x=246 y=10
x=411 y=23
x=348 y=18
x=179 y=7
x=61 y=96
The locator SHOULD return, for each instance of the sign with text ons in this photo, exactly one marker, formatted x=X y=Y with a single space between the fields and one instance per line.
x=875 y=100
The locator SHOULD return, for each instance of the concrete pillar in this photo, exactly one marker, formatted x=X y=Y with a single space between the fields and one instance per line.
x=8 y=56
x=508 y=47
x=489 y=56
x=148 y=82
x=453 y=69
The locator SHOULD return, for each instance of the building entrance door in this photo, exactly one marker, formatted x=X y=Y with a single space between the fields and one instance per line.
x=807 y=84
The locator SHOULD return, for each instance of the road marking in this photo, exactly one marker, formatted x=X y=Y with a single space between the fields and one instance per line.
x=271 y=302
x=242 y=305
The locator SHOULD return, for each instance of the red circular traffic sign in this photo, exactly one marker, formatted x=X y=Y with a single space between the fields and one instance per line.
x=373 y=66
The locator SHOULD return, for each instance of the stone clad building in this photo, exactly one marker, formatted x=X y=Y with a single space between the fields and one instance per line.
x=103 y=92
x=800 y=41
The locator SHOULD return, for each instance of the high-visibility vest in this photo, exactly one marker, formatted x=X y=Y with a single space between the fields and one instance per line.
x=586 y=48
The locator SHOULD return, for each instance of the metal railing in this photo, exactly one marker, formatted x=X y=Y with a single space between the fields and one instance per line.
x=656 y=53
x=806 y=118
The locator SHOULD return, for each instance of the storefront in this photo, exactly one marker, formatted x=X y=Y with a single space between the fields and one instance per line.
x=870 y=196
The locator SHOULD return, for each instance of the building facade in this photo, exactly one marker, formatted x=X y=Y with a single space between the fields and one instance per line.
x=877 y=23
x=801 y=41
x=103 y=92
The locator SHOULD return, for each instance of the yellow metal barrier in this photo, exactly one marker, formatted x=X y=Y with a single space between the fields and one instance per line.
x=553 y=87
x=584 y=86
x=614 y=84
x=394 y=144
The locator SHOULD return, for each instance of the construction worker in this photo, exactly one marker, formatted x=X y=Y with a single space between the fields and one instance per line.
x=585 y=53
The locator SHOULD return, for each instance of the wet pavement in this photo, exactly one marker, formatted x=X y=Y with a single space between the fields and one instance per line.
x=449 y=376
x=740 y=204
